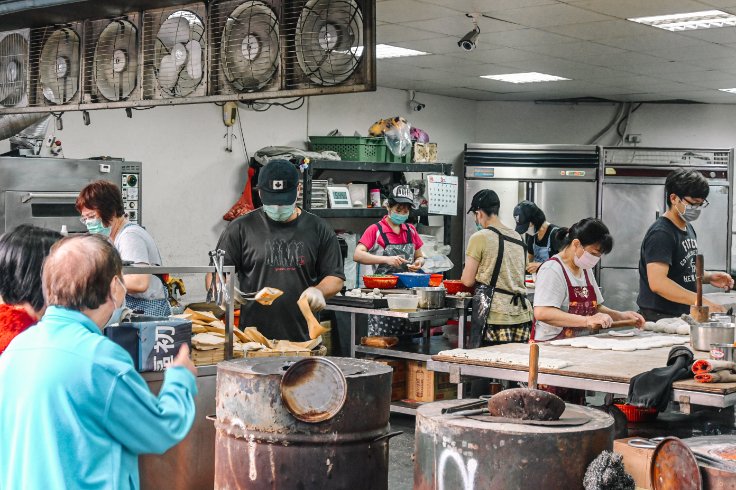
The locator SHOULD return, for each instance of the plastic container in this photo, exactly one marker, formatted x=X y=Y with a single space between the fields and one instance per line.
x=391 y=158
x=355 y=148
x=455 y=286
x=380 y=282
x=413 y=279
x=435 y=280
x=402 y=302
x=636 y=414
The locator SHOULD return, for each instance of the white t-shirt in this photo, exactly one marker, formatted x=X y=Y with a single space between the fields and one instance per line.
x=136 y=245
x=551 y=290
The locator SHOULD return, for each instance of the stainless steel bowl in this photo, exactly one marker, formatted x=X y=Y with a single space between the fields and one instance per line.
x=705 y=334
x=722 y=352
x=431 y=298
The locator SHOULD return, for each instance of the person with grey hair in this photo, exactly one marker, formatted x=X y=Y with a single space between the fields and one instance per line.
x=74 y=413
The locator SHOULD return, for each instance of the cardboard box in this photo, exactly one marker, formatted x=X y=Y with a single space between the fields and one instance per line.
x=423 y=385
x=425 y=152
x=637 y=462
x=152 y=342
x=398 y=380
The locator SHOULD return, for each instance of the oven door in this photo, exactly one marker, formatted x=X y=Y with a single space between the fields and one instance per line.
x=46 y=209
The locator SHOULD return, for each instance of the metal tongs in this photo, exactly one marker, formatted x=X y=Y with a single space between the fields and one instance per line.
x=218 y=292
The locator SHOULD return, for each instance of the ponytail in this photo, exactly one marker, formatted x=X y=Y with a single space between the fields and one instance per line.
x=589 y=231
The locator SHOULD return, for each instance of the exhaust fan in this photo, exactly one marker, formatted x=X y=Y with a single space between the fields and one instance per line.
x=59 y=65
x=14 y=68
x=249 y=49
x=112 y=48
x=329 y=41
x=176 y=52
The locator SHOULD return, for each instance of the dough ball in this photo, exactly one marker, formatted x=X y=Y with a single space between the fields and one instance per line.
x=683 y=329
x=670 y=328
x=650 y=326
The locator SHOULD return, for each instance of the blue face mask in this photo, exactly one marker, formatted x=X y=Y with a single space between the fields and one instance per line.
x=477 y=226
x=279 y=213
x=398 y=218
x=117 y=313
x=96 y=227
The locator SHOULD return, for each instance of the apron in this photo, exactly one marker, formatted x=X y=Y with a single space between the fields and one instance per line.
x=583 y=302
x=483 y=296
x=541 y=254
x=388 y=326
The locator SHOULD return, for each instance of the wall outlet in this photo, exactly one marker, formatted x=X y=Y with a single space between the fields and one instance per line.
x=633 y=139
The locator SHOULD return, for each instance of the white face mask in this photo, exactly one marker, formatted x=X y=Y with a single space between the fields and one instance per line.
x=118 y=311
x=531 y=231
x=586 y=261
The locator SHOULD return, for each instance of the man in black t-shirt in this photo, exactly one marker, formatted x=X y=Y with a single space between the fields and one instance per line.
x=667 y=260
x=282 y=246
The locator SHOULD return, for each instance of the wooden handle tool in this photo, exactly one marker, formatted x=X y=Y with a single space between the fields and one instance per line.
x=315 y=327
x=533 y=365
x=699 y=312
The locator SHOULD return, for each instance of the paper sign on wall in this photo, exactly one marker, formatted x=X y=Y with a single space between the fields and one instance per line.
x=442 y=194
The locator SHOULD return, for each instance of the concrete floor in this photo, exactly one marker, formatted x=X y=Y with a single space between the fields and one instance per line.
x=401 y=448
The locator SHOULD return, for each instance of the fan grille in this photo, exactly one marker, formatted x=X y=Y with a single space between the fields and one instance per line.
x=111 y=59
x=13 y=69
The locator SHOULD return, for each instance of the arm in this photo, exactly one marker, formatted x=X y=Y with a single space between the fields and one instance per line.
x=363 y=256
x=662 y=285
x=469 y=271
x=136 y=283
x=718 y=279
x=330 y=286
x=418 y=261
x=558 y=318
x=622 y=315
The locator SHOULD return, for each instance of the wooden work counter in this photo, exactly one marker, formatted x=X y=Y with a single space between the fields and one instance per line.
x=599 y=370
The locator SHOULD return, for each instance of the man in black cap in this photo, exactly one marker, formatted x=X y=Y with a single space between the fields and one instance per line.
x=539 y=234
x=494 y=263
x=282 y=246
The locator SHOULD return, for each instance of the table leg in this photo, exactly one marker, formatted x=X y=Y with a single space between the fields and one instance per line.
x=352 y=334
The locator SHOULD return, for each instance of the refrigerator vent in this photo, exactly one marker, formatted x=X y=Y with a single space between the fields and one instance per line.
x=666 y=158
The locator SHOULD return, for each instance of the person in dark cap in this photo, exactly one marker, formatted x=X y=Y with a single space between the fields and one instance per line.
x=495 y=264
x=280 y=245
x=539 y=234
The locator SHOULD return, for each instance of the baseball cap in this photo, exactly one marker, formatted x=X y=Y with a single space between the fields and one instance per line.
x=278 y=182
x=483 y=200
x=523 y=213
x=402 y=194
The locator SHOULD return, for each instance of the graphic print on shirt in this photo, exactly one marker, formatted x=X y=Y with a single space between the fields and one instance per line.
x=690 y=249
x=284 y=255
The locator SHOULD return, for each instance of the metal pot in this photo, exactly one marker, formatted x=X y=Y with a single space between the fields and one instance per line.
x=722 y=352
x=705 y=334
x=431 y=298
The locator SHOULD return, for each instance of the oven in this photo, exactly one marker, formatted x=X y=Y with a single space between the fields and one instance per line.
x=43 y=191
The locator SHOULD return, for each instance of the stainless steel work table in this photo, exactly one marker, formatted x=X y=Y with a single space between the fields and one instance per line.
x=598 y=370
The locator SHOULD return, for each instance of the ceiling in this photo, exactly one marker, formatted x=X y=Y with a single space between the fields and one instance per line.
x=588 y=41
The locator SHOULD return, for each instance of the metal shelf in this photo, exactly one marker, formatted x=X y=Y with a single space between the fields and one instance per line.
x=358 y=212
x=413 y=316
x=407 y=408
x=377 y=166
x=417 y=350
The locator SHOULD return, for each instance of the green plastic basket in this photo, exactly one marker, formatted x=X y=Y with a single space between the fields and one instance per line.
x=352 y=148
x=391 y=158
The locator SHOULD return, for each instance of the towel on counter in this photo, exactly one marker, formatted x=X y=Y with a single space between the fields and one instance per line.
x=653 y=388
x=717 y=377
x=702 y=366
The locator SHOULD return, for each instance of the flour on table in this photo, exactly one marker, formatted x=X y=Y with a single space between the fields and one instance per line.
x=487 y=354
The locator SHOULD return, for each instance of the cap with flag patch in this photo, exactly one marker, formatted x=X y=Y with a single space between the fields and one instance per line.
x=402 y=194
x=278 y=183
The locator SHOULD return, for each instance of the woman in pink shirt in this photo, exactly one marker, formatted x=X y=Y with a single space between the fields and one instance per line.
x=391 y=246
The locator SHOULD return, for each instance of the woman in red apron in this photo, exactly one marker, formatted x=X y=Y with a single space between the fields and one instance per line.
x=567 y=301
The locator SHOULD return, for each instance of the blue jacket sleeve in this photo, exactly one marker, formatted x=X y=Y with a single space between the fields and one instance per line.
x=145 y=423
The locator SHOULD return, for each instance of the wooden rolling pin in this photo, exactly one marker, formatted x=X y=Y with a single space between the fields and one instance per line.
x=699 y=312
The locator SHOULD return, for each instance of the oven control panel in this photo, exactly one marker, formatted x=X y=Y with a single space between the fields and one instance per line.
x=130 y=186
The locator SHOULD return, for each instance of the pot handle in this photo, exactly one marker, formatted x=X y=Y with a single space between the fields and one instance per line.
x=388 y=435
x=211 y=418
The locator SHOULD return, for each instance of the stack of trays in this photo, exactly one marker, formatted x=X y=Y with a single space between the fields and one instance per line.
x=319 y=194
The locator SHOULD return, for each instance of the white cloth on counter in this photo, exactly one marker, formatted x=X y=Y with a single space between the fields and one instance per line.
x=550 y=289
x=490 y=354
x=629 y=344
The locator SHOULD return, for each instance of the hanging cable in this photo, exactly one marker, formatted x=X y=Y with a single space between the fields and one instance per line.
x=608 y=126
x=242 y=137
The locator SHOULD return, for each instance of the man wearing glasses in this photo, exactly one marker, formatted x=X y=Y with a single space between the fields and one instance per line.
x=667 y=260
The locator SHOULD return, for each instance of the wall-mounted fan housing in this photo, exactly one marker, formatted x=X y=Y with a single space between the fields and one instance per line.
x=14 y=52
x=246 y=47
x=56 y=60
x=175 y=52
x=111 y=60
x=329 y=40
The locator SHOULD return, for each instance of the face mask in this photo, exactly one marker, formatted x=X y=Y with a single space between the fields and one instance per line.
x=96 y=227
x=586 y=261
x=398 y=218
x=691 y=212
x=531 y=230
x=478 y=227
x=279 y=213
x=117 y=313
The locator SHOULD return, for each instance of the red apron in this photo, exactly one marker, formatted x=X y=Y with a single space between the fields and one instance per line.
x=583 y=301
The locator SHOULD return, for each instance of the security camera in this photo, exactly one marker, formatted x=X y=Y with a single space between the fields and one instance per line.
x=467 y=43
x=416 y=106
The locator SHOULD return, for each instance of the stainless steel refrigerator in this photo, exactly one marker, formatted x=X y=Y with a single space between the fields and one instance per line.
x=560 y=179
x=633 y=197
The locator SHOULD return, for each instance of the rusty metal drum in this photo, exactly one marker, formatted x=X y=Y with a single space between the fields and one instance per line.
x=260 y=444
x=456 y=452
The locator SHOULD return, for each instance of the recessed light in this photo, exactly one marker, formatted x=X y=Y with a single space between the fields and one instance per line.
x=531 y=77
x=688 y=21
x=387 y=51
x=729 y=90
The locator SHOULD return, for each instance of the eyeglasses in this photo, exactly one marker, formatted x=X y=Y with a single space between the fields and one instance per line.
x=84 y=219
x=701 y=205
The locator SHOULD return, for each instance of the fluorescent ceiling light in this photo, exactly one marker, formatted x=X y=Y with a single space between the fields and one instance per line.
x=689 y=21
x=386 y=51
x=530 y=77
x=729 y=90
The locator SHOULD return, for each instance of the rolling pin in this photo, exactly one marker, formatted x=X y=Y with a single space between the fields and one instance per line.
x=699 y=312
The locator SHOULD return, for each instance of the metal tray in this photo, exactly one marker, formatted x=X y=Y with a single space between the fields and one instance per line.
x=372 y=303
